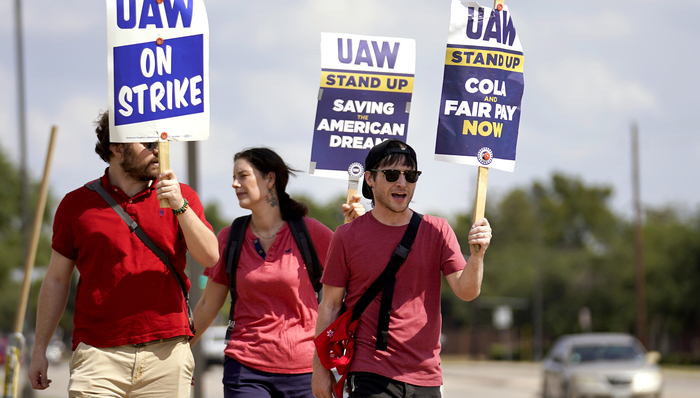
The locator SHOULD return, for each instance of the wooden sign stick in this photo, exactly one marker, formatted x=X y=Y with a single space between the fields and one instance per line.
x=164 y=162
x=480 y=200
x=353 y=183
x=16 y=340
x=483 y=176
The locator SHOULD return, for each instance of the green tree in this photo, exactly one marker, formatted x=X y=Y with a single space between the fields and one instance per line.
x=329 y=214
x=12 y=252
x=214 y=217
x=672 y=265
x=563 y=232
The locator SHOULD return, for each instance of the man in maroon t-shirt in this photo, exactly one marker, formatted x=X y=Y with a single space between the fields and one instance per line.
x=359 y=252
x=131 y=326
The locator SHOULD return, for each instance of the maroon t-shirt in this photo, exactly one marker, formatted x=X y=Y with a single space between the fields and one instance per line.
x=125 y=294
x=358 y=253
x=276 y=309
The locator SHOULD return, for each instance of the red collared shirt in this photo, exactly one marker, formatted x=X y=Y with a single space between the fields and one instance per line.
x=125 y=294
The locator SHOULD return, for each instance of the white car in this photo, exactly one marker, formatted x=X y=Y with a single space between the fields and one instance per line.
x=213 y=342
x=614 y=365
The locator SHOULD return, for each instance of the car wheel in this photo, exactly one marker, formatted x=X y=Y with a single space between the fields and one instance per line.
x=567 y=391
x=545 y=390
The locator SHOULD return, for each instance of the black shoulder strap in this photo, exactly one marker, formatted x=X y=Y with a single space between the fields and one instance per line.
x=397 y=259
x=303 y=239
x=134 y=227
x=386 y=281
x=232 y=252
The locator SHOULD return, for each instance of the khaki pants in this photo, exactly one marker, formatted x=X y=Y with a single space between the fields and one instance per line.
x=159 y=369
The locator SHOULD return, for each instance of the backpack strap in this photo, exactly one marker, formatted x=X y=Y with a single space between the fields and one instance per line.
x=303 y=239
x=232 y=252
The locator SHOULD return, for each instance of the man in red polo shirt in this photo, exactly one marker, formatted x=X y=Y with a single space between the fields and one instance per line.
x=131 y=327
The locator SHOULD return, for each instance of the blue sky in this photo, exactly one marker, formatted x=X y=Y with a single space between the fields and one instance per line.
x=591 y=69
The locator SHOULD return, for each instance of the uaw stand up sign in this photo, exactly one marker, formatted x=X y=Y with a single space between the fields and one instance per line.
x=364 y=99
x=482 y=90
x=158 y=64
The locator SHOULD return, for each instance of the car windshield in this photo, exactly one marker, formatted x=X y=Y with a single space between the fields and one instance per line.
x=589 y=353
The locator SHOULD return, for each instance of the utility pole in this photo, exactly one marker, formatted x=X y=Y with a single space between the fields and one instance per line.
x=538 y=291
x=22 y=124
x=537 y=311
x=21 y=116
x=195 y=270
x=639 y=277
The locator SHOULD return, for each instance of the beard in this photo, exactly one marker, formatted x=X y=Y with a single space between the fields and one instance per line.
x=139 y=172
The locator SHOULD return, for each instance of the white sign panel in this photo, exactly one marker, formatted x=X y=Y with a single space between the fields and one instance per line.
x=158 y=63
x=482 y=88
x=364 y=99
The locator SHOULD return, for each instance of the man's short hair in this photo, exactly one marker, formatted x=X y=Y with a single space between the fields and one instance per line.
x=103 y=142
x=389 y=152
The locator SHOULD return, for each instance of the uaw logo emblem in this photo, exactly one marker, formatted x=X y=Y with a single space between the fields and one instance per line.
x=356 y=170
x=485 y=155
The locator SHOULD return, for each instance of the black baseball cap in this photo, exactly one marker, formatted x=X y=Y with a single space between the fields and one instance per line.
x=379 y=152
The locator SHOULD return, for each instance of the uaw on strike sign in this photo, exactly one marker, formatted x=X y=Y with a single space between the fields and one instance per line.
x=482 y=88
x=364 y=99
x=158 y=60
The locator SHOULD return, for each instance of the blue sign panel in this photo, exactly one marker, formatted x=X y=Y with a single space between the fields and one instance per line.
x=156 y=81
x=480 y=109
x=352 y=120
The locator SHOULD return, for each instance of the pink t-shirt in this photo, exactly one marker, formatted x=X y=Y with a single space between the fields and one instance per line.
x=358 y=253
x=276 y=309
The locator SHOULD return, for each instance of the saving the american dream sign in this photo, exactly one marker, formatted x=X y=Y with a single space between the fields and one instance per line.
x=364 y=99
x=158 y=61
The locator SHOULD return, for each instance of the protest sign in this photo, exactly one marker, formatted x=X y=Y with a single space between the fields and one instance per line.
x=482 y=88
x=158 y=64
x=364 y=99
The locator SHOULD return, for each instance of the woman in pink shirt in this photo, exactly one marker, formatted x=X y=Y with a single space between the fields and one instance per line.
x=271 y=347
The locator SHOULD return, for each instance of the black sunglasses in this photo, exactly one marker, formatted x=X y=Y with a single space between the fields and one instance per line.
x=151 y=146
x=393 y=175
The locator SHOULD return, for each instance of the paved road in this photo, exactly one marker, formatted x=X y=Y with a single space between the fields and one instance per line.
x=490 y=379
x=462 y=379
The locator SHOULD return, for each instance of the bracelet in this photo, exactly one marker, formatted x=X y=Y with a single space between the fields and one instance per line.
x=181 y=210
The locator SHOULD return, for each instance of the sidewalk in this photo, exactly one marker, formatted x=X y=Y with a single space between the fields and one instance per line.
x=59 y=374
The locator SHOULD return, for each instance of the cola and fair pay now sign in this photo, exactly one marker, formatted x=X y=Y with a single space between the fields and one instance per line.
x=482 y=88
